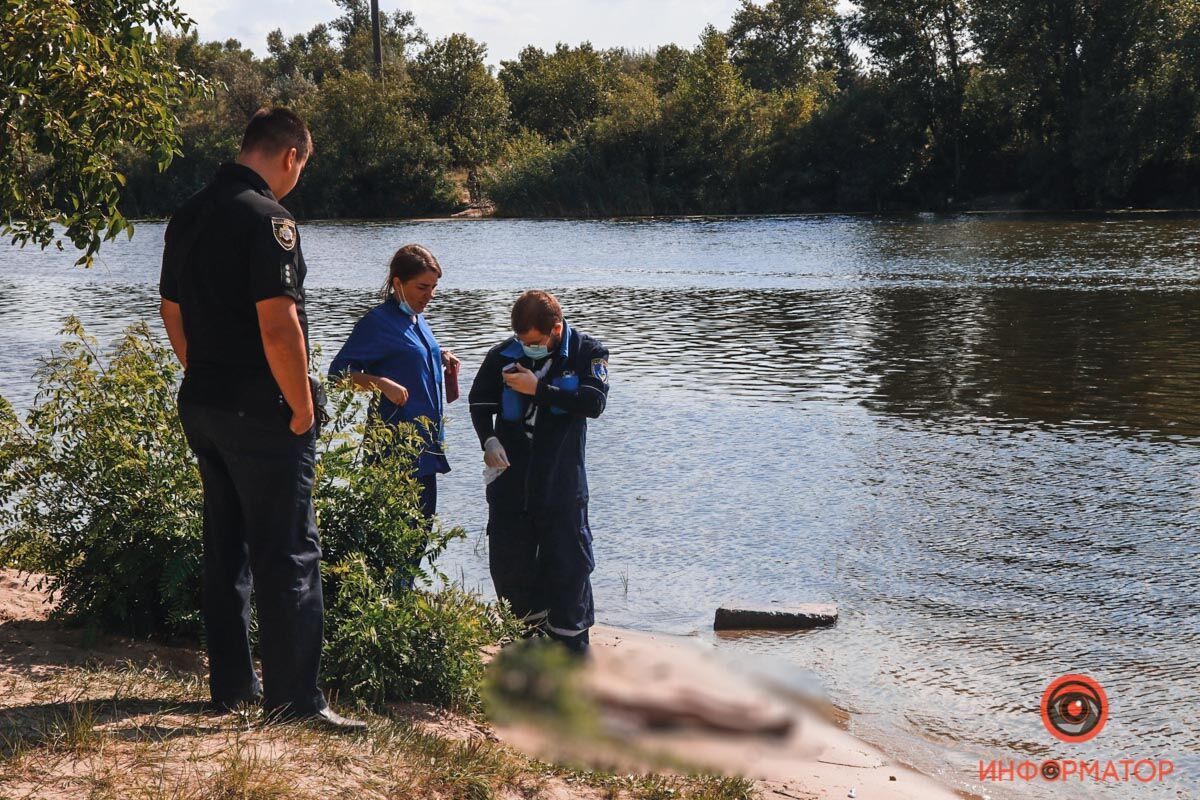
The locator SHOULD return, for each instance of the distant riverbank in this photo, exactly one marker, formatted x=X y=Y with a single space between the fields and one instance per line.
x=1015 y=212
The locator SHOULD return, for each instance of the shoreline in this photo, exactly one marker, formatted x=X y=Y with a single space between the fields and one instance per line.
x=816 y=757
x=1049 y=214
x=732 y=723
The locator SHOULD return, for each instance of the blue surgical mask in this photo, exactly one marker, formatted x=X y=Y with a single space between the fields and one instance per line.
x=537 y=351
x=404 y=306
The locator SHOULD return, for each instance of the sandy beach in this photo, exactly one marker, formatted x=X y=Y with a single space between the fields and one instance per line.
x=672 y=700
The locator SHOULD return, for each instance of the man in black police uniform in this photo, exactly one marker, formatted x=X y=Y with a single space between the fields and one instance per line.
x=232 y=291
x=530 y=403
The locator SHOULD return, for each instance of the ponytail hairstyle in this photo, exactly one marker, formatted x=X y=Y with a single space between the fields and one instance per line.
x=409 y=262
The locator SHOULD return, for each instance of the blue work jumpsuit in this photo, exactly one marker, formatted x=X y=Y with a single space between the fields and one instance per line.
x=540 y=544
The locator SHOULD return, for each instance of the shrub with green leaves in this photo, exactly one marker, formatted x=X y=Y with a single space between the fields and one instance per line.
x=367 y=499
x=539 y=681
x=99 y=492
x=386 y=646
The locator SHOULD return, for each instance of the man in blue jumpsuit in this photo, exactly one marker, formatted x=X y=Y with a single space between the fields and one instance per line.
x=530 y=403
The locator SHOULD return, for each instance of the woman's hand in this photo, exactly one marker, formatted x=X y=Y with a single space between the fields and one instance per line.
x=450 y=361
x=393 y=391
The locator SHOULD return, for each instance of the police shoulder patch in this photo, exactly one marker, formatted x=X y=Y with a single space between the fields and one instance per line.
x=600 y=369
x=285 y=232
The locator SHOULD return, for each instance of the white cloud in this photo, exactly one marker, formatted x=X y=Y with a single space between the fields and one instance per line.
x=218 y=20
x=504 y=25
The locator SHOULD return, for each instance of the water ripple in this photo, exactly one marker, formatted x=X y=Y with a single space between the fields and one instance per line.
x=979 y=436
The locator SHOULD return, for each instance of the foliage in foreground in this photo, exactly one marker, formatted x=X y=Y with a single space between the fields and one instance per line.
x=80 y=83
x=99 y=491
x=386 y=646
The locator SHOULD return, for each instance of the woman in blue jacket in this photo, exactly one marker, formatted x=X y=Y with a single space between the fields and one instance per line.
x=392 y=349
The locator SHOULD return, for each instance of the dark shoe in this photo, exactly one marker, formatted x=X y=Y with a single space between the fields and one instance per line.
x=332 y=722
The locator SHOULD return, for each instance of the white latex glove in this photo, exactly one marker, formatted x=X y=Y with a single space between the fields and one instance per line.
x=494 y=455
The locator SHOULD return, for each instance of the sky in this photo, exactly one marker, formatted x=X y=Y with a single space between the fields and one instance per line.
x=505 y=26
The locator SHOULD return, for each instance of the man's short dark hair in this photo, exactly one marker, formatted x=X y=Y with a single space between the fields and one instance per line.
x=274 y=130
x=536 y=310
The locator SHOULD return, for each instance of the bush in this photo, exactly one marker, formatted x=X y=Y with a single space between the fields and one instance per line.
x=539 y=681
x=385 y=646
x=98 y=488
x=99 y=491
x=367 y=501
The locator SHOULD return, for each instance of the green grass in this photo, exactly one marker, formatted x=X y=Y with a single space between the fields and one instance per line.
x=137 y=733
x=245 y=775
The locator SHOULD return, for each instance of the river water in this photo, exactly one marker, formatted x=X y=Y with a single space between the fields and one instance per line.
x=979 y=436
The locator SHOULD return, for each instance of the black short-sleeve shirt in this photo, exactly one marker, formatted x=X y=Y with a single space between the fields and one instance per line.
x=229 y=246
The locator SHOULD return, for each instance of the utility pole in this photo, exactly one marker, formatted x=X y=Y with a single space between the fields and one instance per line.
x=377 y=40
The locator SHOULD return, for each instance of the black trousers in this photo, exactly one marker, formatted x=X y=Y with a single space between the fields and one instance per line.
x=428 y=484
x=541 y=563
x=260 y=530
x=429 y=492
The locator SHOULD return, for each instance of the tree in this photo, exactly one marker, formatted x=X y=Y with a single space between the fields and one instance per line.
x=706 y=118
x=374 y=157
x=557 y=94
x=776 y=45
x=666 y=67
x=398 y=32
x=310 y=55
x=1088 y=77
x=922 y=47
x=211 y=125
x=462 y=100
x=80 y=81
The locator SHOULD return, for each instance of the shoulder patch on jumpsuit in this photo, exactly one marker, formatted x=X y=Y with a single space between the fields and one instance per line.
x=600 y=369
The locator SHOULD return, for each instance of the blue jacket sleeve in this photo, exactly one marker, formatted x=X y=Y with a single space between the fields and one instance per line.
x=591 y=365
x=364 y=347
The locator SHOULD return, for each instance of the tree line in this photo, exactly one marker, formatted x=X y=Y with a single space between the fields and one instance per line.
x=895 y=104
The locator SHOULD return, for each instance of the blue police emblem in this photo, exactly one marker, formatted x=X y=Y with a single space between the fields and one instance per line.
x=600 y=369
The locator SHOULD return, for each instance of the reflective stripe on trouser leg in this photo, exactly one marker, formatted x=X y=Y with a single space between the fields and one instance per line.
x=566 y=566
x=535 y=619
